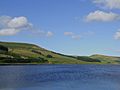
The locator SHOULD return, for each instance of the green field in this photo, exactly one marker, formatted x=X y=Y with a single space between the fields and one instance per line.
x=23 y=53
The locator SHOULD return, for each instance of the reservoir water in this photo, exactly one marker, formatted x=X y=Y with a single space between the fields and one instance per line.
x=60 y=77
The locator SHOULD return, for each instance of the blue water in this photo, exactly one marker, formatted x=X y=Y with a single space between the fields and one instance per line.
x=60 y=77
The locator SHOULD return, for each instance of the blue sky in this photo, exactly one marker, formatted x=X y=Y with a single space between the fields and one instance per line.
x=77 y=27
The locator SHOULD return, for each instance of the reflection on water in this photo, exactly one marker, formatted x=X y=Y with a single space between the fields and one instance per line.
x=60 y=77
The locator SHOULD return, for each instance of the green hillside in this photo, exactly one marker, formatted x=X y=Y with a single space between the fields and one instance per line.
x=106 y=59
x=29 y=53
x=23 y=53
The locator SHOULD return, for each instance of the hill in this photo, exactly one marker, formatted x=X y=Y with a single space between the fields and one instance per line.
x=30 y=53
x=106 y=59
x=24 y=53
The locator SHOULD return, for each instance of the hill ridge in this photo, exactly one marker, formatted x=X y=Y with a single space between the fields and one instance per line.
x=34 y=54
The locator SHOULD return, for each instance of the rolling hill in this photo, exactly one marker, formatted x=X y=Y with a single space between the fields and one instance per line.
x=106 y=59
x=24 y=53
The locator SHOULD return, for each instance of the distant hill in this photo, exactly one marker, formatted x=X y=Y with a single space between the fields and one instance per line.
x=106 y=59
x=24 y=53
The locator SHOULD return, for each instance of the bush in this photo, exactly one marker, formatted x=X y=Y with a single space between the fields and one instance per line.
x=3 y=48
x=38 y=52
x=49 y=56
x=87 y=59
x=20 y=60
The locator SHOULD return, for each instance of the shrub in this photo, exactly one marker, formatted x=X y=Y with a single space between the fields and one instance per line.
x=49 y=56
x=3 y=48
x=16 y=60
x=38 y=52
x=87 y=59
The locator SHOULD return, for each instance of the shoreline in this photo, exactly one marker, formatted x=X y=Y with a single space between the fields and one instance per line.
x=49 y=64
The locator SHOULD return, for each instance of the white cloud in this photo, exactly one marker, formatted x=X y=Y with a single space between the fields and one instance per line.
x=102 y=16
x=4 y=20
x=42 y=33
x=8 y=32
x=12 y=25
x=18 y=22
x=117 y=35
x=72 y=35
x=68 y=33
x=49 y=34
x=111 y=4
x=77 y=37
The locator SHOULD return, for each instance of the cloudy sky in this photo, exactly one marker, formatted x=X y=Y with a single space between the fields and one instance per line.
x=77 y=27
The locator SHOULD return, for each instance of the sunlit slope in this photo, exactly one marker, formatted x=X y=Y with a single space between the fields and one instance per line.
x=30 y=53
x=12 y=52
x=106 y=59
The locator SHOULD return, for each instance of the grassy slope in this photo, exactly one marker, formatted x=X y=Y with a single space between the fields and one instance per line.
x=107 y=59
x=28 y=51
x=25 y=51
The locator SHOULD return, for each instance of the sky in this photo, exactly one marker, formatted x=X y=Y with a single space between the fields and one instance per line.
x=73 y=27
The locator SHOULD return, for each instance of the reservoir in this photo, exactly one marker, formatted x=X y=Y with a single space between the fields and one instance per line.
x=60 y=77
